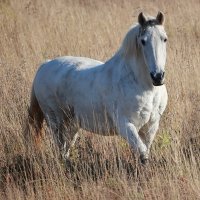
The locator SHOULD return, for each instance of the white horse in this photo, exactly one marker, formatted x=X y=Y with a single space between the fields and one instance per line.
x=119 y=96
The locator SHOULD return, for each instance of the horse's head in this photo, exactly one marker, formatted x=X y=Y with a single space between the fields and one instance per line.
x=152 y=40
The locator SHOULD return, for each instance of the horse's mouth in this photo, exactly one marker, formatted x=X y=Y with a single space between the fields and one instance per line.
x=158 y=78
x=158 y=83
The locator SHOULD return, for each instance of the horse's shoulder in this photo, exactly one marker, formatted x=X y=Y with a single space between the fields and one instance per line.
x=163 y=98
x=164 y=95
x=159 y=103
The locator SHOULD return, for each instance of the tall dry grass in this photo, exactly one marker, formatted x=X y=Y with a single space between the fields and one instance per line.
x=101 y=168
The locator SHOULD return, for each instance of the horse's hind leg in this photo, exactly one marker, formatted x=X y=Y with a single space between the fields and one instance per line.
x=64 y=139
x=63 y=128
x=56 y=126
x=58 y=130
x=71 y=144
x=71 y=130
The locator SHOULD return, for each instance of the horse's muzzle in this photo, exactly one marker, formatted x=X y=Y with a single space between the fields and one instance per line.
x=158 y=78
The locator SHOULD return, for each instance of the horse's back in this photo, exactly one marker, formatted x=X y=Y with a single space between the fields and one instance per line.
x=64 y=81
x=52 y=72
x=61 y=65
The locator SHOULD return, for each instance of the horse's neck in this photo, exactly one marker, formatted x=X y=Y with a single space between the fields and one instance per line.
x=138 y=67
x=134 y=66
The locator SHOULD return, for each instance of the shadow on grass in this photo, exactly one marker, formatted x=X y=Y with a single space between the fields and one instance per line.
x=89 y=165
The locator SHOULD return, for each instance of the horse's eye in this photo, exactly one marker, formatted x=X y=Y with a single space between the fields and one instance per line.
x=143 y=42
x=165 y=40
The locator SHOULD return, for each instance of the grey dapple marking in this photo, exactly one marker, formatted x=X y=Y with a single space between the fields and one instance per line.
x=119 y=96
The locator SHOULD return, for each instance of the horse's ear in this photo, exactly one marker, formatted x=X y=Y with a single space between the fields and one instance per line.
x=160 y=18
x=142 y=19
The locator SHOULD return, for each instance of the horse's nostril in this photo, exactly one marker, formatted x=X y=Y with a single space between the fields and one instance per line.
x=163 y=74
x=157 y=76
x=153 y=75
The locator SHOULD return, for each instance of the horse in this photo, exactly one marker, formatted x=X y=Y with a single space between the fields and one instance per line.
x=117 y=97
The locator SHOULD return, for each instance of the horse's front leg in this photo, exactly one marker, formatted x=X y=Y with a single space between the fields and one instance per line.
x=151 y=133
x=129 y=132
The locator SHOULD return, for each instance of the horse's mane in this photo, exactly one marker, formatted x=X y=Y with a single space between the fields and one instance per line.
x=129 y=43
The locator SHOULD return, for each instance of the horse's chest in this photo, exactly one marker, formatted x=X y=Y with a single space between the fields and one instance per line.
x=142 y=116
x=139 y=110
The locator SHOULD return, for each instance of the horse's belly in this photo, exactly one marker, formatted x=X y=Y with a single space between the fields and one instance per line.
x=96 y=122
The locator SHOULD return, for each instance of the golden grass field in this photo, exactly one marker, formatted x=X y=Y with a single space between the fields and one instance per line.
x=102 y=167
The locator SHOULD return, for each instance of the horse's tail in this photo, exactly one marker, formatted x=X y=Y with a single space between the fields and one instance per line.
x=35 y=118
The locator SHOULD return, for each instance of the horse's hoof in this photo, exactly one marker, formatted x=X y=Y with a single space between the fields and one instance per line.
x=144 y=159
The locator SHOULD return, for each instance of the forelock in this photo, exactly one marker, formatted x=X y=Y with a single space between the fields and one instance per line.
x=151 y=22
